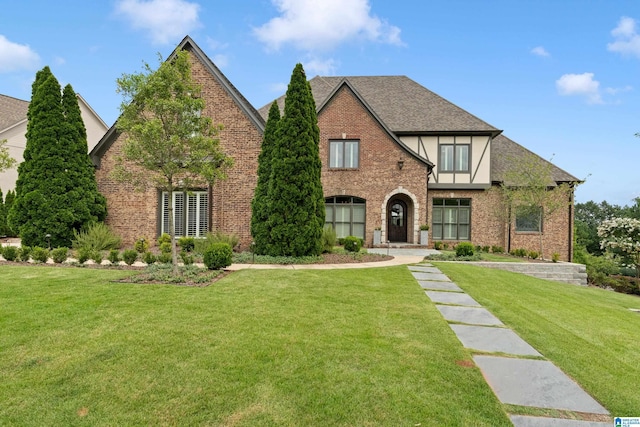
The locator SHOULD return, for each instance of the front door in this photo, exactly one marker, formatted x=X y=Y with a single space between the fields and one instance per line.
x=397 y=221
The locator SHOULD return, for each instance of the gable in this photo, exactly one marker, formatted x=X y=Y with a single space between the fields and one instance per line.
x=12 y=111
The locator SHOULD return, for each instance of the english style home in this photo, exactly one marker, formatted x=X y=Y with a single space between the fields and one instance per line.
x=395 y=156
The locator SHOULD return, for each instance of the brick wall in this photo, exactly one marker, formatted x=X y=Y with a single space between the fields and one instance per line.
x=378 y=175
x=134 y=214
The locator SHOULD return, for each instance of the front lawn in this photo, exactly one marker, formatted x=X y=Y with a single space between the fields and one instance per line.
x=589 y=333
x=259 y=347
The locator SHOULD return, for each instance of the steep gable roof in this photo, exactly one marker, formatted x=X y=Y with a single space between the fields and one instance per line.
x=12 y=111
x=402 y=104
x=505 y=151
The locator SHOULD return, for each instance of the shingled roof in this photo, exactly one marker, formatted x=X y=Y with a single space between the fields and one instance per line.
x=505 y=151
x=12 y=111
x=402 y=104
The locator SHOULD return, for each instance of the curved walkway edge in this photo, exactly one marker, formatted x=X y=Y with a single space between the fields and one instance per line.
x=397 y=260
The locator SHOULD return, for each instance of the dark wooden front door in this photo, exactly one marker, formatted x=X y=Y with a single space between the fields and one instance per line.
x=397 y=221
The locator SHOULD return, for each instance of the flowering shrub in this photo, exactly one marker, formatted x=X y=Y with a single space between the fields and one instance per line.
x=622 y=237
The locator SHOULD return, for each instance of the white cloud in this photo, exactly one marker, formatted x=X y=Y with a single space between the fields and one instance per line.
x=540 y=51
x=627 y=40
x=581 y=85
x=167 y=21
x=322 y=25
x=617 y=90
x=15 y=57
x=317 y=66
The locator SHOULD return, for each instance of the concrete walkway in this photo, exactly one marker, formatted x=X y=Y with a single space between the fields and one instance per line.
x=516 y=372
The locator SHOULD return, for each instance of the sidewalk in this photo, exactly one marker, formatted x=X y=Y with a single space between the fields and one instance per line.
x=525 y=378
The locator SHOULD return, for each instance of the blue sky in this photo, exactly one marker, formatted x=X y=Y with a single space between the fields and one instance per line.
x=560 y=77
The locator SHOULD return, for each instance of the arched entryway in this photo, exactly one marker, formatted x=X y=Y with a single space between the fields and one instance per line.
x=398 y=214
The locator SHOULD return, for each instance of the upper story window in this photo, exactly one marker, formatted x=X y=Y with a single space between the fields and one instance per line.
x=454 y=158
x=344 y=154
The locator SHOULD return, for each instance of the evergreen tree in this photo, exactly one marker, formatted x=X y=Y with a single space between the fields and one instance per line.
x=3 y=216
x=56 y=191
x=260 y=206
x=295 y=189
x=8 y=202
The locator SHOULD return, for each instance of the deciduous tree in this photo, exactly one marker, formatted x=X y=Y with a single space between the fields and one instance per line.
x=622 y=237
x=169 y=142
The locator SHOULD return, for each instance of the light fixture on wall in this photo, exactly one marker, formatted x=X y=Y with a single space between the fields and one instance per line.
x=400 y=163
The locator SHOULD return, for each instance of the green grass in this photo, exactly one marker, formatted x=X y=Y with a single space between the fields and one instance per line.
x=272 y=347
x=589 y=333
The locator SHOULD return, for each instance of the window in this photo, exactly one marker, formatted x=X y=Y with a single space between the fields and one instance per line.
x=454 y=157
x=190 y=211
x=529 y=219
x=451 y=219
x=344 y=154
x=346 y=215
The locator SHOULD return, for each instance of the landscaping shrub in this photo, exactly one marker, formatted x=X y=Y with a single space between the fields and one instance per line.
x=97 y=257
x=485 y=249
x=97 y=237
x=497 y=249
x=164 y=243
x=464 y=249
x=149 y=258
x=625 y=284
x=186 y=243
x=10 y=253
x=478 y=249
x=59 y=255
x=520 y=252
x=187 y=258
x=165 y=257
x=24 y=253
x=83 y=255
x=130 y=256
x=437 y=245
x=40 y=254
x=328 y=239
x=352 y=244
x=555 y=257
x=142 y=245
x=201 y=245
x=114 y=256
x=533 y=254
x=217 y=256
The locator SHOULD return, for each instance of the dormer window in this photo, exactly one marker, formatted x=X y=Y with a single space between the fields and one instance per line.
x=344 y=154
x=454 y=158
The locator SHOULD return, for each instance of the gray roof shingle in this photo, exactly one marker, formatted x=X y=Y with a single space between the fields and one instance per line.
x=12 y=111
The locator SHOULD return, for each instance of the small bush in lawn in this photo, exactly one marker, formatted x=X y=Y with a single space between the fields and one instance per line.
x=187 y=243
x=217 y=256
x=141 y=245
x=97 y=257
x=10 y=253
x=328 y=239
x=40 y=254
x=24 y=253
x=165 y=247
x=165 y=258
x=114 y=256
x=59 y=255
x=83 y=255
x=97 y=237
x=149 y=258
x=497 y=249
x=533 y=254
x=130 y=256
x=352 y=244
x=464 y=249
x=555 y=257
x=187 y=258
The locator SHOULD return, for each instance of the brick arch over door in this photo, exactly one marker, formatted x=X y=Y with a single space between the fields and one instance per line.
x=413 y=213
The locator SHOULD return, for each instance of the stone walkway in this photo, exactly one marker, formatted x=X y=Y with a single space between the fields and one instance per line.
x=516 y=372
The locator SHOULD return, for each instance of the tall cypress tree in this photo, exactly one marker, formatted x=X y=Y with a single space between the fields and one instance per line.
x=53 y=178
x=8 y=202
x=3 y=216
x=260 y=206
x=295 y=189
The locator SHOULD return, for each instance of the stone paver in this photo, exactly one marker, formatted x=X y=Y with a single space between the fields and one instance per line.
x=438 y=277
x=424 y=269
x=439 y=286
x=470 y=315
x=528 y=421
x=537 y=383
x=452 y=298
x=493 y=340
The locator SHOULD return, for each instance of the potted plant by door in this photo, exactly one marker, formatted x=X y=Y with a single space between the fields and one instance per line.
x=424 y=234
x=377 y=236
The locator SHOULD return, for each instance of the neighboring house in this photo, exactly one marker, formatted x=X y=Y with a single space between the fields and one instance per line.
x=395 y=156
x=13 y=128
